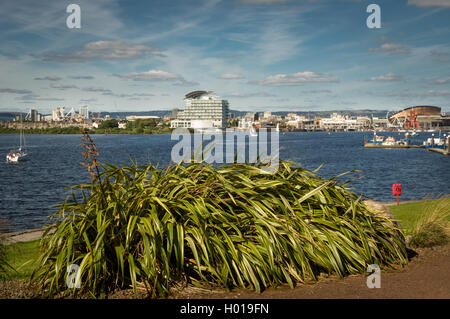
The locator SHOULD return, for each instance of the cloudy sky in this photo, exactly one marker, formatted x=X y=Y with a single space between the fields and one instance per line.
x=290 y=55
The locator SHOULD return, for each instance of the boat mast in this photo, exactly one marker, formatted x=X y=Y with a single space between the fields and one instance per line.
x=21 y=136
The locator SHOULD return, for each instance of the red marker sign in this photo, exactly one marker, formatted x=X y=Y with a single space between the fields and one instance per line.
x=396 y=190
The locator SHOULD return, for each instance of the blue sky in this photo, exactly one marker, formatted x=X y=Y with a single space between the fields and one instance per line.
x=291 y=55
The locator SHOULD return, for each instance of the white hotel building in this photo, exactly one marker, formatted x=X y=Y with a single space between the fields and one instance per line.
x=203 y=109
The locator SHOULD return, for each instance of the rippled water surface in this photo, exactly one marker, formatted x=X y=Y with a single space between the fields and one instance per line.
x=29 y=189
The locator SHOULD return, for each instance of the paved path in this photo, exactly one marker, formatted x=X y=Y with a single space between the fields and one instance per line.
x=23 y=236
x=427 y=275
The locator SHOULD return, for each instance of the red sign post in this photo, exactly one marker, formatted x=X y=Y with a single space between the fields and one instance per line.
x=397 y=190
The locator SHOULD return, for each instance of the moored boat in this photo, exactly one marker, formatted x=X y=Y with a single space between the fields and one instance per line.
x=15 y=155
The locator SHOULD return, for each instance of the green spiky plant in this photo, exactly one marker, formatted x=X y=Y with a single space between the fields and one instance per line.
x=232 y=226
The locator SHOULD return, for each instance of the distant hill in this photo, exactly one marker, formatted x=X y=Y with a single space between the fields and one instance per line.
x=9 y=116
x=123 y=115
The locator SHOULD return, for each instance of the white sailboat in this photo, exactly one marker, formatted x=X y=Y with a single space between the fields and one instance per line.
x=252 y=131
x=15 y=155
x=277 y=129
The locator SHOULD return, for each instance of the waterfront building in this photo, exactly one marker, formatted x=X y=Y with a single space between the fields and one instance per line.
x=339 y=122
x=84 y=112
x=141 y=117
x=203 y=109
x=422 y=117
x=251 y=116
x=382 y=123
x=295 y=121
x=58 y=114
x=245 y=123
x=267 y=114
x=33 y=116
x=363 y=122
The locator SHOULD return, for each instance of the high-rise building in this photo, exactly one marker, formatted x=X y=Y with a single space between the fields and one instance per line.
x=33 y=115
x=203 y=109
x=84 y=112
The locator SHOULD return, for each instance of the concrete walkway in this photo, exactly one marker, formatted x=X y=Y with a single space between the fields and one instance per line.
x=439 y=150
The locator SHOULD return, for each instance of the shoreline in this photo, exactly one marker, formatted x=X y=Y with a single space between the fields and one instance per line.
x=23 y=236
x=16 y=131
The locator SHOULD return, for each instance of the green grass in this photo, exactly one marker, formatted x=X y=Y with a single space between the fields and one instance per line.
x=22 y=257
x=409 y=213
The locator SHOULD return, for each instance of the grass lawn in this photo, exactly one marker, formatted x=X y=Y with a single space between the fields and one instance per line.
x=22 y=256
x=408 y=213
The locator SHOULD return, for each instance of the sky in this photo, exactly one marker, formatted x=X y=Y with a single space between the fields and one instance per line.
x=260 y=55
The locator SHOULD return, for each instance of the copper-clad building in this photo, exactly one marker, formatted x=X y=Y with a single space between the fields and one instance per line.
x=423 y=117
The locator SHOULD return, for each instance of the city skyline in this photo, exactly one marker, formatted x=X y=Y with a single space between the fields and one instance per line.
x=258 y=54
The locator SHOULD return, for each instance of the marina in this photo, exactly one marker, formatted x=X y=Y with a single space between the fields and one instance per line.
x=440 y=151
x=436 y=144
x=375 y=145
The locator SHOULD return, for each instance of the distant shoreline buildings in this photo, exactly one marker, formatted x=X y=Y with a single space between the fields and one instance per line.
x=205 y=110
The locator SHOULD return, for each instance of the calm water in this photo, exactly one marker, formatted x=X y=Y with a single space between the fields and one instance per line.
x=30 y=188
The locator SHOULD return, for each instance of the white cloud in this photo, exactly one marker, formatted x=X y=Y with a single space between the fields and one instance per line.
x=440 y=81
x=231 y=76
x=430 y=3
x=150 y=75
x=391 y=48
x=102 y=50
x=186 y=83
x=88 y=100
x=438 y=93
x=99 y=19
x=295 y=79
x=249 y=95
x=389 y=77
x=157 y=76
